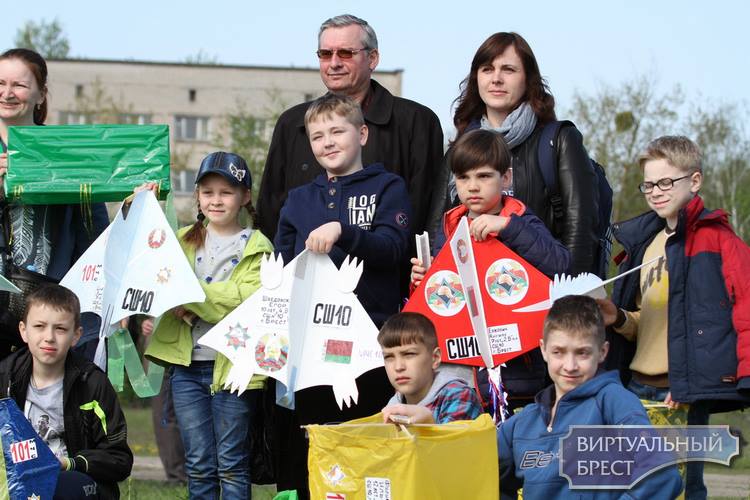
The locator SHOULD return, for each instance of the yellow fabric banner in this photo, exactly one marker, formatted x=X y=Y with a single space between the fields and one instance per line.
x=367 y=460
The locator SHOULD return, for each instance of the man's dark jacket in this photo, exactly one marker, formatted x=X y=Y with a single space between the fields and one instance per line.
x=404 y=136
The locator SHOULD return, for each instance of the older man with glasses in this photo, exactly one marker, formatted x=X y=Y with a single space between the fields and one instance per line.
x=403 y=135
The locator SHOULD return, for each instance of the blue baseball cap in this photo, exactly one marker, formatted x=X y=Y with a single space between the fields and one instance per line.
x=229 y=165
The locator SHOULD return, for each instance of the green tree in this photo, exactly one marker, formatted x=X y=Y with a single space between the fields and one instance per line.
x=47 y=38
x=720 y=131
x=249 y=134
x=616 y=123
x=98 y=106
x=202 y=57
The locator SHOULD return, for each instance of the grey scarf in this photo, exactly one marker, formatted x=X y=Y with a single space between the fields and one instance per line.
x=516 y=128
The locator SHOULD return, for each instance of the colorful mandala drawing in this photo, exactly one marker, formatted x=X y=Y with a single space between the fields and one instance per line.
x=444 y=293
x=507 y=282
x=272 y=351
x=237 y=336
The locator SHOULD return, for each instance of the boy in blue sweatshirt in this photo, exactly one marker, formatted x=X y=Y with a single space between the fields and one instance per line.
x=573 y=348
x=351 y=209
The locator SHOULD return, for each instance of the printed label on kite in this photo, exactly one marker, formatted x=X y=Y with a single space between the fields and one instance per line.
x=444 y=293
x=334 y=315
x=22 y=451
x=377 y=488
x=507 y=282
x=504 y=339
x=272 y=352
x=338 y=351
x=237 y=336
x=462 y=347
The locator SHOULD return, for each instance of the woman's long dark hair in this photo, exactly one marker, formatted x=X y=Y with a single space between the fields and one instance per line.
x=38 y=67
x=469 y=105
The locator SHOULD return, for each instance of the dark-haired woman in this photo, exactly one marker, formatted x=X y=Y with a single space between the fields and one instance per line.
x=44 y=239
x=504 y=91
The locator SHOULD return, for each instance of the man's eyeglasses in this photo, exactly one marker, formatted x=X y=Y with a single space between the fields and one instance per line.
x=664 y=184
x=326 y=54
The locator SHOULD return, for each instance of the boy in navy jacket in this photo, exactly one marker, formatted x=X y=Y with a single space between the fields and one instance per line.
x=351 y=209
x=689 y=311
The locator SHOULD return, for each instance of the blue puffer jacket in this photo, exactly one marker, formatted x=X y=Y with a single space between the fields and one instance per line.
x=600 y=401
x=709 y=302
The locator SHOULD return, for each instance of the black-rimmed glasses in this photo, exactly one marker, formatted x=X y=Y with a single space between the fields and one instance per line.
x=664 y=184
x=326 y=54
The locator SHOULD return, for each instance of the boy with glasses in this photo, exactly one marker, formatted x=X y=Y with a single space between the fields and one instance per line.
x=689 y=311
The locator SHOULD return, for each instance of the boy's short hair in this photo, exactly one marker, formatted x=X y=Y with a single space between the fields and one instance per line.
x=408 y=328
x=678 y=150
x=478 y=148
x=333 y=104
x=576 y=315
x=57 y=297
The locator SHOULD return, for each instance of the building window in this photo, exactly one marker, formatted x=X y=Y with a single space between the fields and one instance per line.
x=73 y=118
x=191 y=128
x=79 y=91
x=183 y=182
x=77 y=118
x=191 y=95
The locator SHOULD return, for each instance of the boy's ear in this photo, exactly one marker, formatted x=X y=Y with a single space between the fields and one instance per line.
x=604 y=351
x=363 y=133
x=541 y=348
x=696 y=181
x=22 y=331
x=436 y=355
x=506 y=180
x=77 y=335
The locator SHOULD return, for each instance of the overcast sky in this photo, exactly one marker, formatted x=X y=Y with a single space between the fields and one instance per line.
x=700 y=45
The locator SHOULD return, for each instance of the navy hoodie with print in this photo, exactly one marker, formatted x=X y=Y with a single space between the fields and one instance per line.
x=373 y=208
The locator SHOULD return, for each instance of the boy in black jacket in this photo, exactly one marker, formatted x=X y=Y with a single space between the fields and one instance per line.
x=67 y=398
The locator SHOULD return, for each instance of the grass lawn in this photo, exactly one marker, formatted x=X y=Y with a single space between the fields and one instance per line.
x=140 y=431
x=735 y=420
x=157 y=490
x=141 y=441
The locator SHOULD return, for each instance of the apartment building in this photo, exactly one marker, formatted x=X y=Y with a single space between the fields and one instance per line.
x=195 y=100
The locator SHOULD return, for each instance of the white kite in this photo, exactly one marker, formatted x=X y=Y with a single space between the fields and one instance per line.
x=136 y=266
x=304 y=327
x=583 y=284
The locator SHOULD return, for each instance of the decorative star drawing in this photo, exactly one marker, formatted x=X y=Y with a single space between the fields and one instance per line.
x=163 y=275
x=237 y=336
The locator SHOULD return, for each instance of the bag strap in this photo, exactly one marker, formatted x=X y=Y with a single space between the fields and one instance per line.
x=547 y=159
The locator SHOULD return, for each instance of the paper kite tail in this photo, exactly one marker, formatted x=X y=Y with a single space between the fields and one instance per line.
x=238 y=378
x=345 y=391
